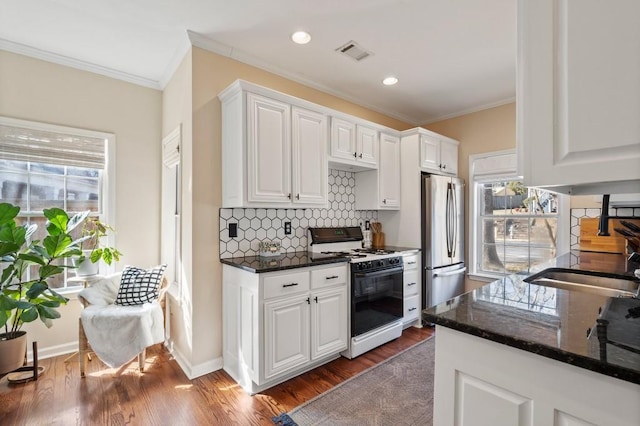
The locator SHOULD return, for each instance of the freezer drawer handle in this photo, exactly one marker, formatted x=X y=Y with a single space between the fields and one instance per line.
x=450 y=274
x=289 y=285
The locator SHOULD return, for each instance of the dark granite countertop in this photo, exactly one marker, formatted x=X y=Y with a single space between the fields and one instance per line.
x=298 y=259
x=555 y=323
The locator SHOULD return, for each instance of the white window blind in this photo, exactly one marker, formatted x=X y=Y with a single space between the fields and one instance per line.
x=20 y=143
x=171 y=148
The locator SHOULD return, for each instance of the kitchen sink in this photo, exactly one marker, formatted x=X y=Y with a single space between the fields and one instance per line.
x=587 y=282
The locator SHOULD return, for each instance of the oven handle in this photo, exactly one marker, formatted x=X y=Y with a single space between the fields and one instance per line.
x=450 y=274
x=387 y=271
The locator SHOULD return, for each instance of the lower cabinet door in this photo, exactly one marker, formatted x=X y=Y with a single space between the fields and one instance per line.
x=286 y=335
x=329 y=328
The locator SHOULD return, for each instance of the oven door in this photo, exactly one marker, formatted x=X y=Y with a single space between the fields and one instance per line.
x=376 y=299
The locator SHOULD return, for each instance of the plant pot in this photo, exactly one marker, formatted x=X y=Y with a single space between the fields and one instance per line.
x=12 y=352
x=85 y=268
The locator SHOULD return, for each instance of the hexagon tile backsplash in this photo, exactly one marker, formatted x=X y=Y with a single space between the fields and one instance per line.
x=255 y=225
x=578 y=213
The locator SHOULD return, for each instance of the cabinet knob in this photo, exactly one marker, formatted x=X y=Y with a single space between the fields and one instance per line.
x=289 y=196
x=316 y=299
x=384 y=201
x=444 y=166
x=360 y=155
x=297 y=196
x=308 y=301
x=355 y=155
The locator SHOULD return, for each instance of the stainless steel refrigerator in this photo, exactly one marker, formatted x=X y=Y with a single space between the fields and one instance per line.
x=442 y=238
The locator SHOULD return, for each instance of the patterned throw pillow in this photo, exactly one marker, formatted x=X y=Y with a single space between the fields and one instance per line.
x=139 y=286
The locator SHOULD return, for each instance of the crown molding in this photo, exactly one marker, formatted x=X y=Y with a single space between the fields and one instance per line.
x=469 y=111
x=33 y=52
x=176 y=60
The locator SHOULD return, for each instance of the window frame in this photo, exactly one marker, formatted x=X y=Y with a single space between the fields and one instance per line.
x=493 y=167
x=107 y=181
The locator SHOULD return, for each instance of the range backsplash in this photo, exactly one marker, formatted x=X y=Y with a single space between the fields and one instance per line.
x=255 y=225
x=577 y=214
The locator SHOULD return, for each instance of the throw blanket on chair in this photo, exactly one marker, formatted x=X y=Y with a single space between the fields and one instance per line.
x=118 y=333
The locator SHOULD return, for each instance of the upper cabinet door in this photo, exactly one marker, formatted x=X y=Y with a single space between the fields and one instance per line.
x=343 y=139
x=449 y=157
x=309 y=156
x=367 y=144
x=268 y=150
x=389 y=171
x=430 y=153
x=578 y=106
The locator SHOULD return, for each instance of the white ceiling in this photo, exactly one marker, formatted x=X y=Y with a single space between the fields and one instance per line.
x=451 y=56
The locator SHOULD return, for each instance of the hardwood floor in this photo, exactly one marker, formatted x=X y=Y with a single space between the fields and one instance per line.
x=163 y=395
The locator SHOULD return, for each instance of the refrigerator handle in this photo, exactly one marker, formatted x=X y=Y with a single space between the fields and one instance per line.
x=448 y=221
x=454 y=220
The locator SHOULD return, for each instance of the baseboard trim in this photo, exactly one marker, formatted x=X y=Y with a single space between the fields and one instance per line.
x=51 y=351
x=193 y=371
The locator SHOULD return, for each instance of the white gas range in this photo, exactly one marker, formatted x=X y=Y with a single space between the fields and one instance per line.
x=375 y=296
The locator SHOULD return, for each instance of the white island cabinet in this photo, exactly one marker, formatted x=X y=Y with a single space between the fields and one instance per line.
x=578 y=95
x=479 y=382
x=279 y=324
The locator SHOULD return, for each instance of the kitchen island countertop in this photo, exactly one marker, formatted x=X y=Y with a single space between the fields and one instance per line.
x=554 y=323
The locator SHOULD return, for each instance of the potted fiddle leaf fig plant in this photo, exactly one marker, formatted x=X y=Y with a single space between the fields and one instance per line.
x=93 y=230
x=28 y=268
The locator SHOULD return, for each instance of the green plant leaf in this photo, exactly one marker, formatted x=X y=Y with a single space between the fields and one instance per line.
x=8 y=212
x=107 y=255
x=49 y=271
x=29 y=315
x=36 y=289
x=58 y=219
x=32 y=258
x=46 y=312
x=53 y=295
x=96 y=255
x=23 y=304
x=7 y=303
x=4 y=317
x=55 y=244
x=8 y=248
x=50 y=303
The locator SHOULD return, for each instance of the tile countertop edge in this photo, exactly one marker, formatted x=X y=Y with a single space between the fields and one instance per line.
x=618 y=372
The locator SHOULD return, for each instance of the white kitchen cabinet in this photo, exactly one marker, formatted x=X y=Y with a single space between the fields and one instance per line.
x=412 y=282
x=352 y=145
x=501 y=385
x=309 y=164
x=273 y=151
x=578 y=95
x=277 y=325
x=438 y=154
x=268 y=150
x=380 y=189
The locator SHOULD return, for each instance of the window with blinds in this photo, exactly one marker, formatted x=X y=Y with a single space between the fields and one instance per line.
x=44 y=166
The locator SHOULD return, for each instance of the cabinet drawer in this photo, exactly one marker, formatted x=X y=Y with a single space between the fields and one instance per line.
x=410 y=280
x=328 y=277
x=285 y=284
x=411 y=308
x=410 y=262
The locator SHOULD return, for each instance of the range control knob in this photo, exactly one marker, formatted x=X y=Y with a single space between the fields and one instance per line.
x=380 y=262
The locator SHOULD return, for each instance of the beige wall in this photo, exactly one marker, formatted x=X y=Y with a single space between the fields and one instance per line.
x=489 y=130
x=32 y=89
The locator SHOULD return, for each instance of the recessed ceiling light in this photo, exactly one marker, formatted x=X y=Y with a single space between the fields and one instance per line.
x=301 y=37
x=389 y=81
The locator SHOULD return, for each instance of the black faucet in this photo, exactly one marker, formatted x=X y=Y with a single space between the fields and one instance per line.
x=603 y=224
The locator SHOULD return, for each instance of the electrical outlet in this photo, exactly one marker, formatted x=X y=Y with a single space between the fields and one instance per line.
x=233 y=230
x=287 y=228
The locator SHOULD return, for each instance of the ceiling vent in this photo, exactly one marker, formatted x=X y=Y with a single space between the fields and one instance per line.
x=354 y=51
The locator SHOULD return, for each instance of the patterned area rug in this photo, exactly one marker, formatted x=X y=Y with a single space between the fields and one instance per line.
x=398 y=391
